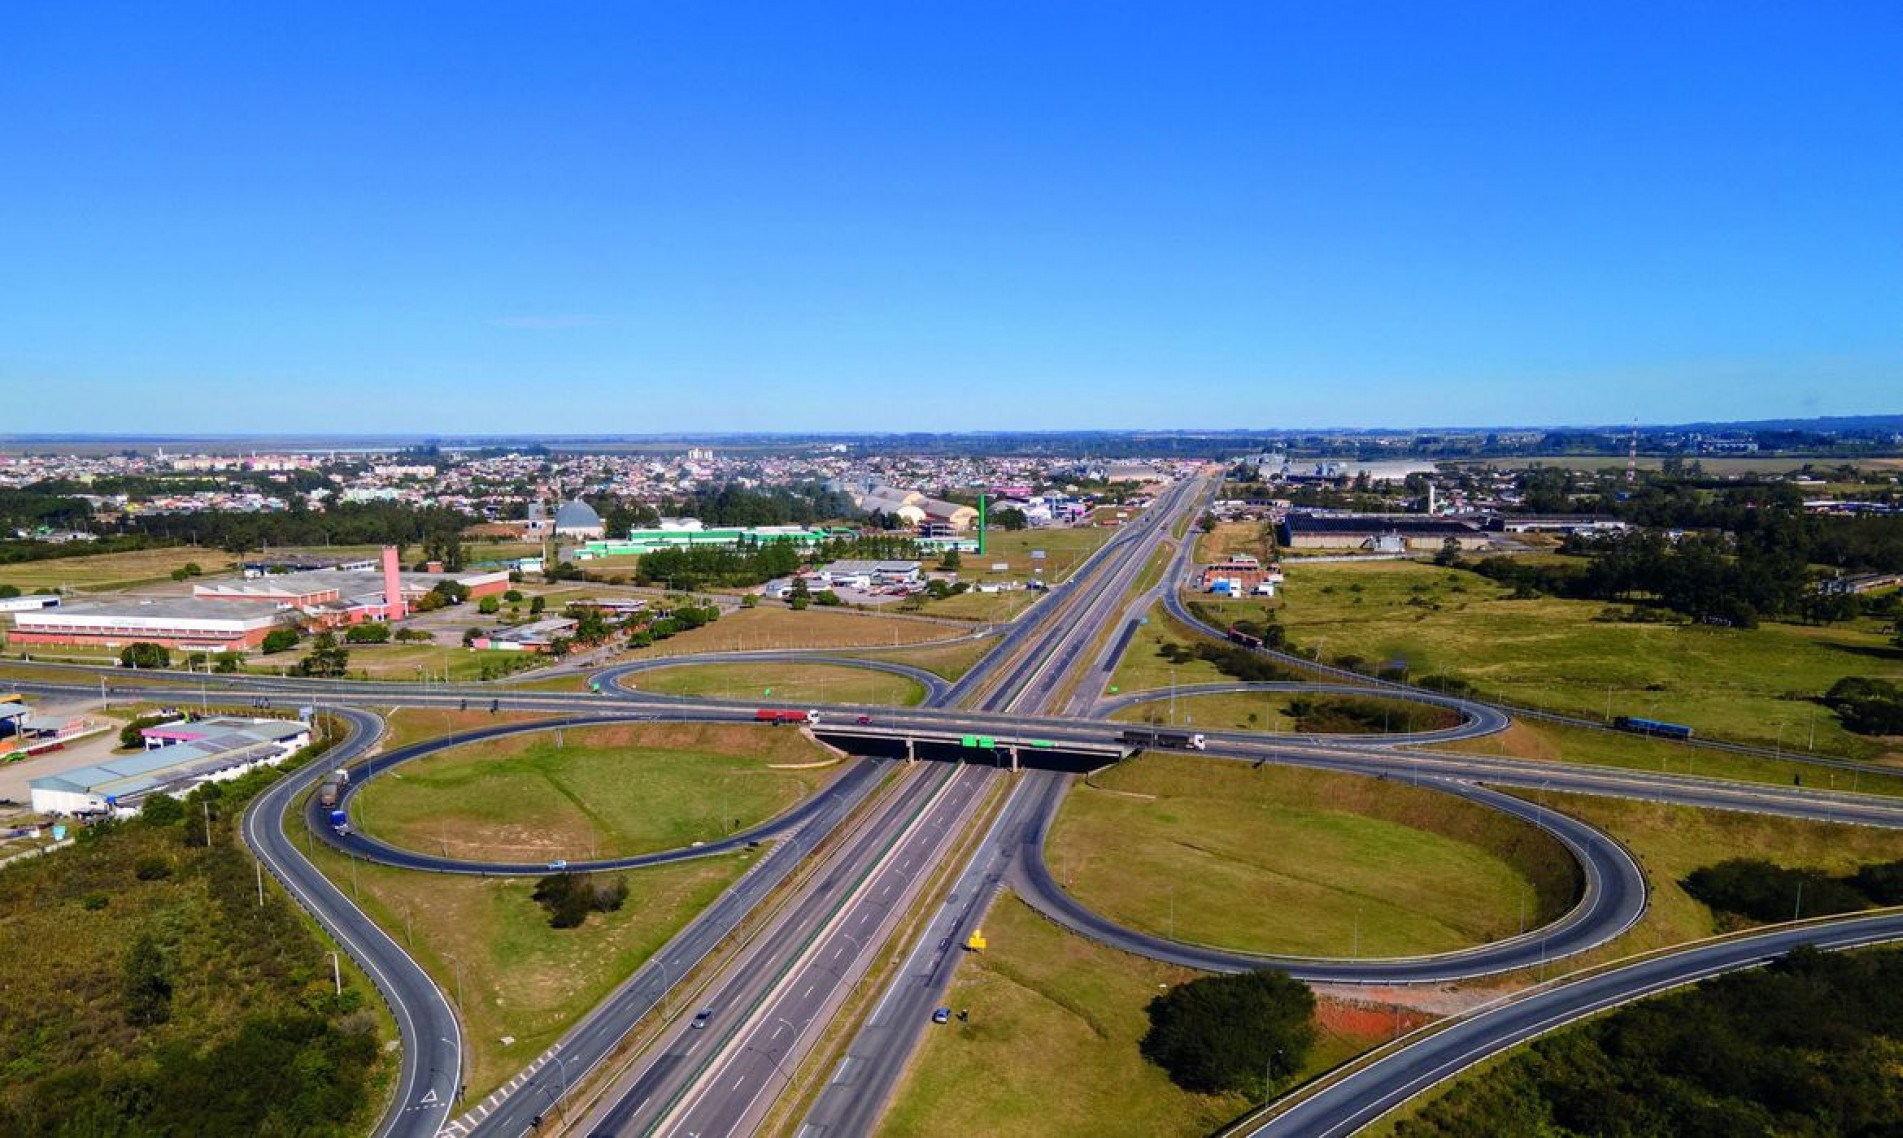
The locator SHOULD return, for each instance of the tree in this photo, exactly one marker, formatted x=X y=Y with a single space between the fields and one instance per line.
x=369 y=632
x=279 y=640
x=148 y=990
x=1010 y=518
x=590 y=626
x=145 y=654
x=161 y=810
x=537 y=605
x=327 y=658
x=227 y=663
x=1221 y=1033
x=470 y=636
x=489 y=606
x=950 y=561
x=827 y=598
x=9 y=590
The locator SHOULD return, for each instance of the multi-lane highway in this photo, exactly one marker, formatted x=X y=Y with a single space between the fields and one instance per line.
x=877 y=848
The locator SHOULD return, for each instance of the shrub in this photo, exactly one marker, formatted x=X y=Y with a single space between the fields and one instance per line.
x=162 y=810
x=570 y=897
x=1760 y=890
x=152 y=868
x=130 y=735
x=145 y=654
x=369 y=632
x=1221 y=1033
x=279 y=640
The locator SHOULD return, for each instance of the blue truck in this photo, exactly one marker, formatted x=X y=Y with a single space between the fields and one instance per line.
x=340 y=822
x=1652 y=727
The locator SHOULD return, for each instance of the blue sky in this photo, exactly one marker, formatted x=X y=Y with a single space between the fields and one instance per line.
x=653 y=217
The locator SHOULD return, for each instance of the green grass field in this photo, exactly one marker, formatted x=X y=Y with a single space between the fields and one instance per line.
x=1261 y=711
x=1747 y=685
x=795 y=683
x=948 y=660
x=1219 y=853
x=1551 y=742
x=488 y=945
x=603 y=791
x=1671 y=841
x=104 y=571
x=1141 y=669
x=1051 y=1047
x=983 y=606
x=1064 y=549
x=771 y=626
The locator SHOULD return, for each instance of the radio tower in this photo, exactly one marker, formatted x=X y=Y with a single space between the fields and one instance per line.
x=1632 y=456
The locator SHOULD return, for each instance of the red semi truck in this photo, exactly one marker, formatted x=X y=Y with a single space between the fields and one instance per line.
x=776 y=716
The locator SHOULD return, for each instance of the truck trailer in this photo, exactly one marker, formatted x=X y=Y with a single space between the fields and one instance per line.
x=777 y=716
x=1172 y=740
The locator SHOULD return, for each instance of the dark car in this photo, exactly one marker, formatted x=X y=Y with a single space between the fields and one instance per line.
x=701 y=1018
x=942 y=1015
x=865 y=720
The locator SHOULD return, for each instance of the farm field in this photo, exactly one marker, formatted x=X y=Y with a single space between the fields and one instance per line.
x=782 y=683
x=592 y=792
x=1220 y=853
x=1747 y=685
x=102 y=572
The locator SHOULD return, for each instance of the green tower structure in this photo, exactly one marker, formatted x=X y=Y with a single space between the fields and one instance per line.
x=981 y=524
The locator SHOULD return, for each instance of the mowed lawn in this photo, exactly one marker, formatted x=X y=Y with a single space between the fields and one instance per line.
x=1051 y=1046
x=489 y=947
x=595 y=792
x=1302 y=862
x=102 y=571
x=1743 y=684
x=773 y=626
x=797 y=683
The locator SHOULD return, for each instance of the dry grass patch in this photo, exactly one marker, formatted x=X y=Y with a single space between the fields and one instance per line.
x=948 y=660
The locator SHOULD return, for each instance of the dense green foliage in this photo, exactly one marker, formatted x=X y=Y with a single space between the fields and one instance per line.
x=1232 y=660
x=1807 y=1046
x=733 y=505
x=327 y=659
x=279 y=640
x=704 y=566
x=149 y=993
x=1339 y=713
x=145 y=654
x=1760 y=890
x=1867 y=706
x=1224 y=1033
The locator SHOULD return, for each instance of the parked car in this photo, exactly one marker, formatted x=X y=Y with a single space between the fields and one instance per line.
x=942 y=1015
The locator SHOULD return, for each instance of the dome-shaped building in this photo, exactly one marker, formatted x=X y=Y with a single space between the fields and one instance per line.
x=578 y=519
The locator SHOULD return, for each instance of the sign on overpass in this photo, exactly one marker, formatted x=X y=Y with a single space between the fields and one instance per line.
x=1009 y=752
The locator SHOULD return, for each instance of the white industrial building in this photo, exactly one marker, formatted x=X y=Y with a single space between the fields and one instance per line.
x=209 y=750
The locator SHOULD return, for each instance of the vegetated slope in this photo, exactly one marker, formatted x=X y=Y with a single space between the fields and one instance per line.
x=144 y=990
x=1807 y=1046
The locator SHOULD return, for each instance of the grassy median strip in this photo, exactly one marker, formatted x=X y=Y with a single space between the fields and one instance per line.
x=809 y=1079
